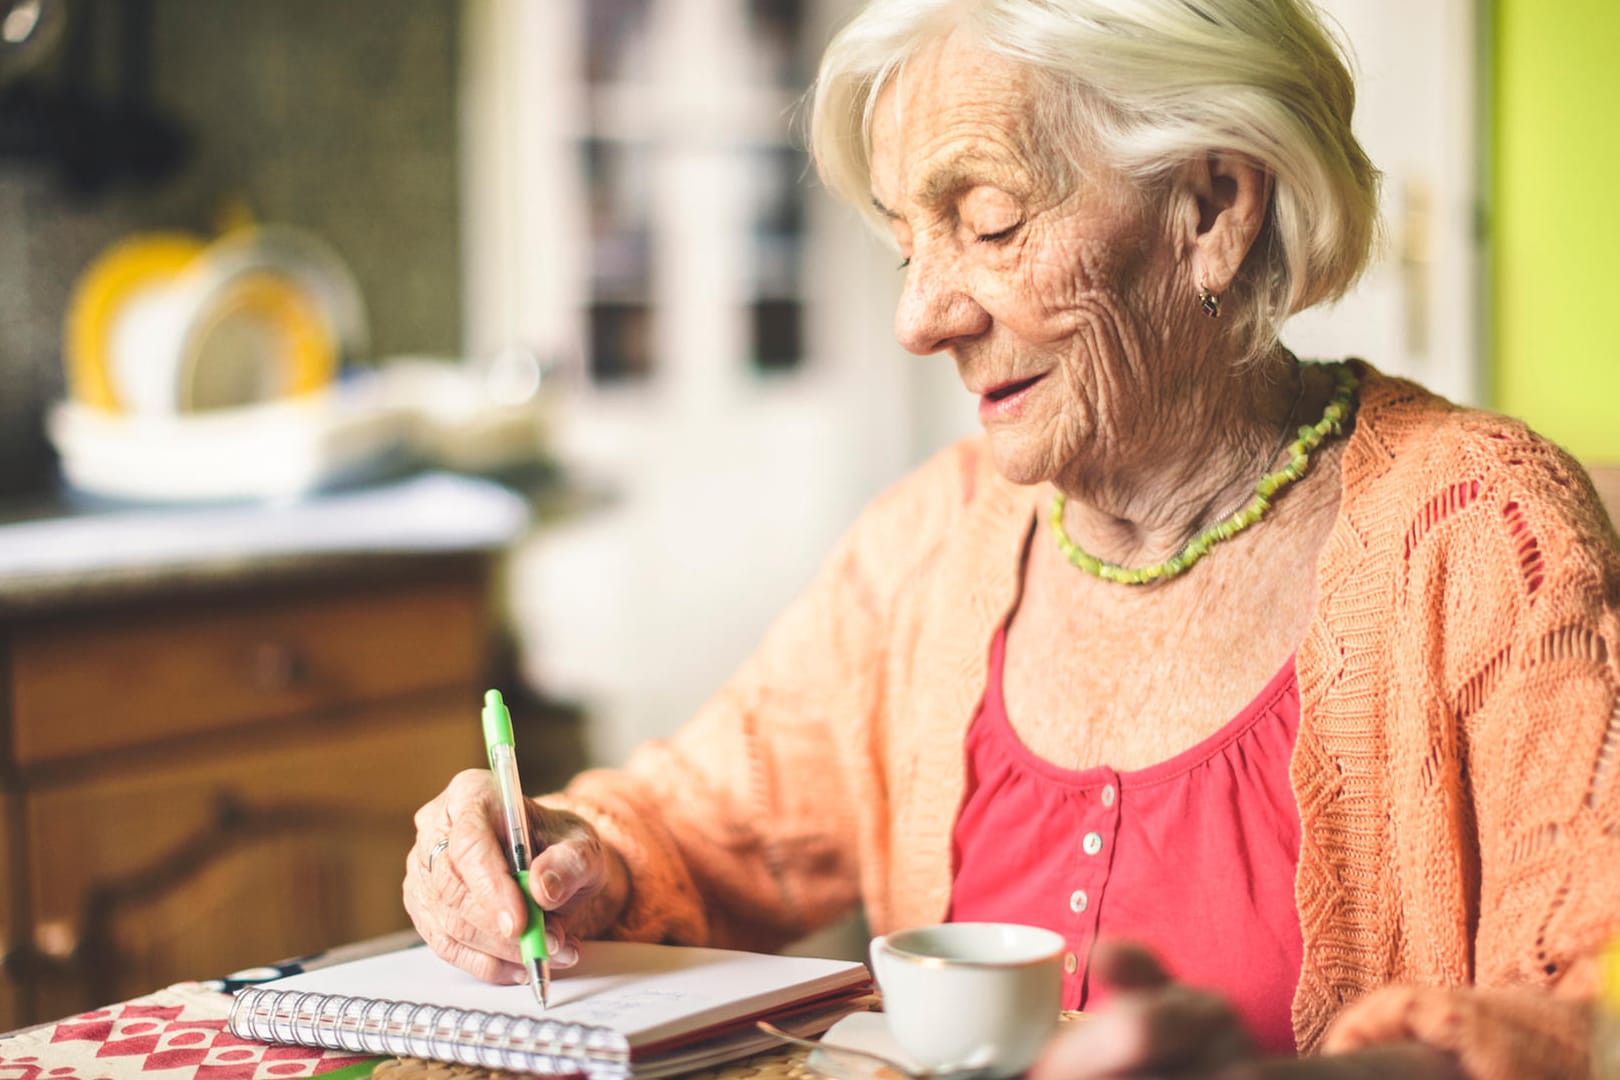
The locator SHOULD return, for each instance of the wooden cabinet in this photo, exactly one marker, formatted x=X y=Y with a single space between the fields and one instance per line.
x=135 y=677
x=195 y=783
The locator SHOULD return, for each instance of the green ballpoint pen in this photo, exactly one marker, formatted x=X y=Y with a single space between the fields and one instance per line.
x=503 y=763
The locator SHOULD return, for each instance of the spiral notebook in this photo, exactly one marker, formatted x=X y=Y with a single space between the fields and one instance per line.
x=626 y=1010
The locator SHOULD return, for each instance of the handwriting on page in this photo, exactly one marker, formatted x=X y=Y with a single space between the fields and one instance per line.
x=615 y=1006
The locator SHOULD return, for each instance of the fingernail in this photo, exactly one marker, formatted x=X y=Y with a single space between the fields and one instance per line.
x=508 y=924
x=520 y=976
x=553 y=943
x=567 y=956
x=551 y=884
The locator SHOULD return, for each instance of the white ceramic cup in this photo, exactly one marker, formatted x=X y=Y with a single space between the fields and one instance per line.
x=971 y=996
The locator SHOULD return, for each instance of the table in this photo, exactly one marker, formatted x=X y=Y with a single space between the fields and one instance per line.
x=180 y=1034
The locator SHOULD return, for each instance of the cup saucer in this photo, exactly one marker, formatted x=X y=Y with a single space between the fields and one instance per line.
x=868 y=1033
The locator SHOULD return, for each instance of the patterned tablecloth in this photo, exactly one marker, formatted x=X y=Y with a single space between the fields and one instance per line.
x=174 y=1034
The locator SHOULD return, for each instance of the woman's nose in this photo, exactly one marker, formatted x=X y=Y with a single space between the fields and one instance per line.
x=936 y=307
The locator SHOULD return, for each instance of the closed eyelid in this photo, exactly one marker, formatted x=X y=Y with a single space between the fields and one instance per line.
x=1000 y=234
x=901 y=233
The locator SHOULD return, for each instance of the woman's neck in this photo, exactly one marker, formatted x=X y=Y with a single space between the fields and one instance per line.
x=1193 y=469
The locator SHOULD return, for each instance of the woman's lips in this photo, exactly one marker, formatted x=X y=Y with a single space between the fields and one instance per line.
x=1004 y=401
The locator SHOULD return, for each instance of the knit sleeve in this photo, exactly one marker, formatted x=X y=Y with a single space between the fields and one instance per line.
x=1524 y=650
x=744 y=829
x=1541 y=729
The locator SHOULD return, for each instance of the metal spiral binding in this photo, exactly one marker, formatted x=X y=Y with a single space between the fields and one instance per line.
x=413 y=1029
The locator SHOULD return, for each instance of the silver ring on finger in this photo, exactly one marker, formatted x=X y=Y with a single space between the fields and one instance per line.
x=434 y=852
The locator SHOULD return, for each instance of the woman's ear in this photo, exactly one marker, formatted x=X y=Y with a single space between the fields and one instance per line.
x=1231 y=194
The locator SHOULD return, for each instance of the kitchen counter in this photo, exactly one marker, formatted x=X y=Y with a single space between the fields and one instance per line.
x=55 y=554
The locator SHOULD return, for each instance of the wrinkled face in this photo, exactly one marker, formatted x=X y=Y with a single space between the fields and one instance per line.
x=1056 y=305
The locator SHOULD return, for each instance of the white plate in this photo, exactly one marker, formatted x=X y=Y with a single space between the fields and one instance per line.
x=277 y=450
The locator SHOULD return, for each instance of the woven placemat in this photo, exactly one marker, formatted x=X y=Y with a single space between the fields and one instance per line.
x=784 y=1064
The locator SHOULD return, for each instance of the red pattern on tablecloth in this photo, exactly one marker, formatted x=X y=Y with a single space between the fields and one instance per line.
x=175 y=1034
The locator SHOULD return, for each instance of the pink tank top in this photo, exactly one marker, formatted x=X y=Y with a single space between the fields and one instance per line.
x=1193 y=857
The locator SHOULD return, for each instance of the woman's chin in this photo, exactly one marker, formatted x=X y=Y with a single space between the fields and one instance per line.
x=1017 y=460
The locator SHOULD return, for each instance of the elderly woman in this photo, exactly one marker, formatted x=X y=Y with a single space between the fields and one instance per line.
x=1296 y=675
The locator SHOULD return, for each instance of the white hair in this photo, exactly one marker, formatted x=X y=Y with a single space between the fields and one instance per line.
x=1148 y=85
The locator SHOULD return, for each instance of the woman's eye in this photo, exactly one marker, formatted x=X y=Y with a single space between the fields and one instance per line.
x=998 y=237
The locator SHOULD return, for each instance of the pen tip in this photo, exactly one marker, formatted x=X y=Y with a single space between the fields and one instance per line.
x=540 y=983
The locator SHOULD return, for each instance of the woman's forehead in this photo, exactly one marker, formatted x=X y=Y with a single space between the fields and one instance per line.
x=954 y=111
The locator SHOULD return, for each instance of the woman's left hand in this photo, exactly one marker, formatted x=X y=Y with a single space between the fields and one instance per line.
x=1155 y=1027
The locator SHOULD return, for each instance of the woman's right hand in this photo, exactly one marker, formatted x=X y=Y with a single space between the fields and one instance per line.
x=460 y=892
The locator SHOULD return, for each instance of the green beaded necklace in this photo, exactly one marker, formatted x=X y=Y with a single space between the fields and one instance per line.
x=1338 y=410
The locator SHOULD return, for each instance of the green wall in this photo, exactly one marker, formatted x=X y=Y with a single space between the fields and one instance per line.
x=1556 y=227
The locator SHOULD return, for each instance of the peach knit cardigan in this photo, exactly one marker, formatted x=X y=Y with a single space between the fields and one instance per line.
x=1455 y=766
